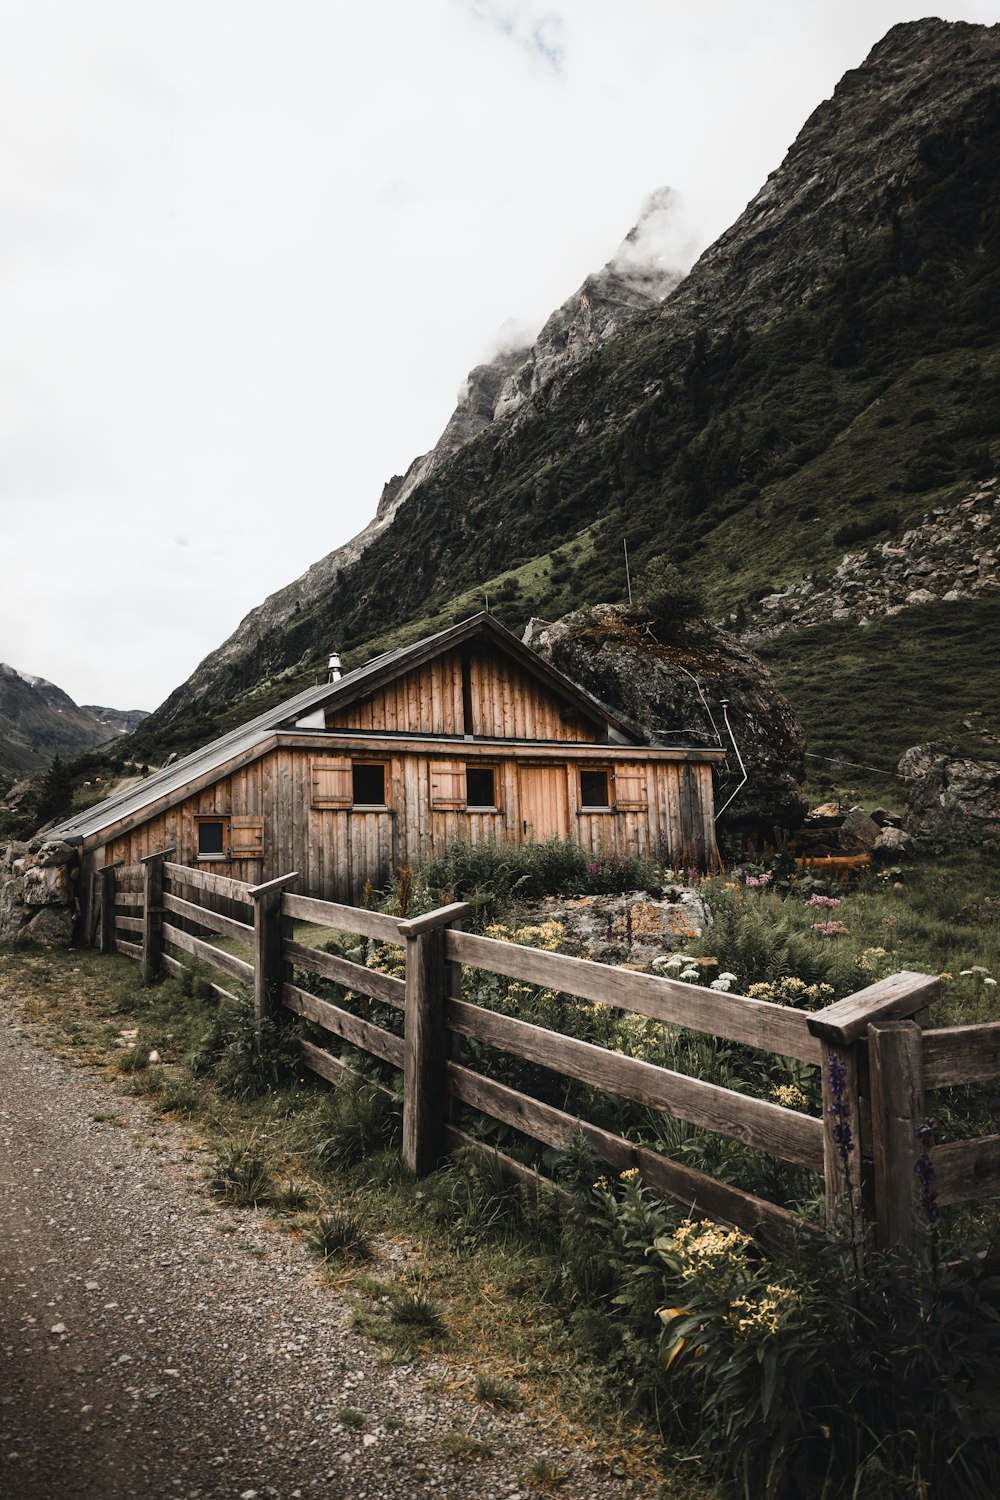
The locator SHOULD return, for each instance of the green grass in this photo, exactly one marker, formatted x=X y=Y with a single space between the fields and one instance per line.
x=868 y=695
x=541 y=1311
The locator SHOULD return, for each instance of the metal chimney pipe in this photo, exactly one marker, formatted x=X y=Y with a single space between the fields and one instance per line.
x=333 y=671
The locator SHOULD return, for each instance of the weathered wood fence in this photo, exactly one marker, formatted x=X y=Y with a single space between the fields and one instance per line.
x=878 y=1056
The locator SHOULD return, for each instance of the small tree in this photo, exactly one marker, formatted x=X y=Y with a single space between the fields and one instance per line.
x=666 y=597
x=56 y=794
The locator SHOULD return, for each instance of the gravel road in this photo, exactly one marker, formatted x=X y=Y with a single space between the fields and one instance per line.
x=156 y=1344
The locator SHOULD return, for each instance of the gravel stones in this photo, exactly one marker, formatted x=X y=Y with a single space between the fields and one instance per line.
x=154 y=1344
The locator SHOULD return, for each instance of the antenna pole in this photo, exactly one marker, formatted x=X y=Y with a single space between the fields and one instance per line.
x=628 y=576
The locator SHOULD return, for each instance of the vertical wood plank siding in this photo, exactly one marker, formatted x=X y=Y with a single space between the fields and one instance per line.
x=338 y=849
x=666 y=806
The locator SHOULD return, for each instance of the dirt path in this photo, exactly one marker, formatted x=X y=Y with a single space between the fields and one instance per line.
x=155 y=1344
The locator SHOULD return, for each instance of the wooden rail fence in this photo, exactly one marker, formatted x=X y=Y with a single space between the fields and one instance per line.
x=879 y=1058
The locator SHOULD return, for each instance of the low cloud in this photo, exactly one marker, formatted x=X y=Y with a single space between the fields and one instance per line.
x=662 y=240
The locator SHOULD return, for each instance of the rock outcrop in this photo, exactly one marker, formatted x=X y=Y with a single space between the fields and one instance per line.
x=38 y=901
x=643 y=270
x=706 y=689
x=952 y=554
x=952 y=796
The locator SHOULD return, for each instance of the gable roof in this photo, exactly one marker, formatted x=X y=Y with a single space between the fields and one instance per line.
x=353 y=685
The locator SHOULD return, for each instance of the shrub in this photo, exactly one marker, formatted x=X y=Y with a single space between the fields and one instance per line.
x=865 y=526
x=493 y=874
x=819 y=1380
x=354 y=1120
x=666 y=597
x=244 y=1057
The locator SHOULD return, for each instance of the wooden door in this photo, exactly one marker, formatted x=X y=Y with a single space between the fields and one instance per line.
x=543 y=794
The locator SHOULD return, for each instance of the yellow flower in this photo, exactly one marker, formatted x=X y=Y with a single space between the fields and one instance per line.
x=789 y=1096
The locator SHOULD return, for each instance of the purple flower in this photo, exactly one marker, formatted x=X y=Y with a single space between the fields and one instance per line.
x=840 y=1110
x=924 y=1172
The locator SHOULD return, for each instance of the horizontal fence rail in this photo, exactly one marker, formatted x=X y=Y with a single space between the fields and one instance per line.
x=878 y=1056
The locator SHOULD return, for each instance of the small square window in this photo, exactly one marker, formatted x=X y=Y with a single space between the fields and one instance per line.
x=369 y=784
x=480 y=786
x=594 y=789
x=211 y=836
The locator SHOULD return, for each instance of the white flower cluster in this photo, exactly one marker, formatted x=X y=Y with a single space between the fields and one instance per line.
x=724 y=982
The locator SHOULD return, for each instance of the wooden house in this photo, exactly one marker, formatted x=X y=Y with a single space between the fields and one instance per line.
x=467 y=735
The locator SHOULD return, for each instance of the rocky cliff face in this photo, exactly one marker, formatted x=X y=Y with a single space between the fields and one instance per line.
x=705 y=689
x=641 y=273
x=847 y=172
x=643 y=270
x=873 y=246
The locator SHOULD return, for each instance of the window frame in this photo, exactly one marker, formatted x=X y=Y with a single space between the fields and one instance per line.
x=359 y=763
x=596 y=807
x=477 y=768
x=203 y=820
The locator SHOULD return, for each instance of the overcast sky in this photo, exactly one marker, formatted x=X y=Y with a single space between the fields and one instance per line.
x=250 y=248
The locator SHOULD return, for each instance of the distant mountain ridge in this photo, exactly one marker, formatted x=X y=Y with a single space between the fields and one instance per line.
x=639 y=274
x=38 y=720
x=828 y=372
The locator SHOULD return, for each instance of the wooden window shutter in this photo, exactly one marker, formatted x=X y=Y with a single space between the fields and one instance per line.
x=447 y=784
x=246 y=836
x=630 y=786
x=332 y=783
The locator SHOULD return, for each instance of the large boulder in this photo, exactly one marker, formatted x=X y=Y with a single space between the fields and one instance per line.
x=682 y=692
x=952 y=796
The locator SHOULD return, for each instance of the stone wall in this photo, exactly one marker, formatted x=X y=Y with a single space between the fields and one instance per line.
x=38 y=893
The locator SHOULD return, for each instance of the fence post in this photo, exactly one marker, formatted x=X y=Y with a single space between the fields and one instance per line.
x=845 y=1171
x=895 y=1051
x=152 y=913
x=844 y=1028
x=425 y=1036
x=270 y=971
x=108 y=891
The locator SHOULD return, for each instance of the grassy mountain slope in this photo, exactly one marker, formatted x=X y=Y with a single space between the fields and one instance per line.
x=38 y=721
x=864 y=697
x=828 y=372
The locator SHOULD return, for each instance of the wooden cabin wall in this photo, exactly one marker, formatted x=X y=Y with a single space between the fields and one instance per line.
x=240 y=795
x=337 y=849
x=427 y=700
x=506 y=703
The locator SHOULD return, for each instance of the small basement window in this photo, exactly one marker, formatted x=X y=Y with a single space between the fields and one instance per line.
x=368 y=784
x=480 y=786
x=594 y=791
x=211 y=835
